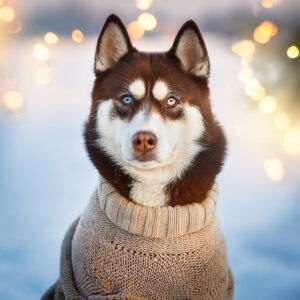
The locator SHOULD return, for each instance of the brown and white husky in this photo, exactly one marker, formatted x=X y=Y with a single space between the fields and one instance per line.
x=150 y=230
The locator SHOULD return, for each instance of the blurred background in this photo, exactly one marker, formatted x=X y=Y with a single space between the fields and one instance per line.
x=46 y=71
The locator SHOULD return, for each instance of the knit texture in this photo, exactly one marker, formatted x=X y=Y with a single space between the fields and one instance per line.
x=160 y=221
x=122 y=250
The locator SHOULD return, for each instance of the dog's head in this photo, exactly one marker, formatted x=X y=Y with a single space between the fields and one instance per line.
x=150 y=115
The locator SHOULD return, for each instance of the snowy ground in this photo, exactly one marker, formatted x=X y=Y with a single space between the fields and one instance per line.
x=46 y=177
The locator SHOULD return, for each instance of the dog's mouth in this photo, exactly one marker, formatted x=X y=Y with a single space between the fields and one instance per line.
x=150 y=162
x=143 y=163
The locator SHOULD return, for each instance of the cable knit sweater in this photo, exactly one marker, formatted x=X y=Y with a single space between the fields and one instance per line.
x=121 y=250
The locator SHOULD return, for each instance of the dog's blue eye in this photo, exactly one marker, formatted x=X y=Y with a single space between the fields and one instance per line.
x=171 y=101
x=127 y=100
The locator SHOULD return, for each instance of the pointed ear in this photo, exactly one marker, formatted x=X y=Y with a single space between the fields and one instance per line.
x=113 y=43
x=190 y=49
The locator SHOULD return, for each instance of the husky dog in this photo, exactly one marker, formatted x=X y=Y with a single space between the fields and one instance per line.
x=153 y=138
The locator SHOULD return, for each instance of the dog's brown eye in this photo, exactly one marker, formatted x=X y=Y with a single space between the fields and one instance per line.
x=172 y=101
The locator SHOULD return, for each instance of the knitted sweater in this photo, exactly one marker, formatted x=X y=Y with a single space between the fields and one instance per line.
x=121 y=250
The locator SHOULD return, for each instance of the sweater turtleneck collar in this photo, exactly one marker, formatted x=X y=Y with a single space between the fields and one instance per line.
x=159 y=221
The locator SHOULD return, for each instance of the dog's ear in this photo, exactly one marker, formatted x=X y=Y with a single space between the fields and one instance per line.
x=190 y=49
x=113 y=43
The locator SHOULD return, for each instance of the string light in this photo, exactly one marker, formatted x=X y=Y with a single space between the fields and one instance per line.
x=274 y=169
x=267 y=3
x=245 y=74
x=16 y=28
x=143 y=4
x=268 y=105
x=7 y=13
x=77 y=36
x=263 y=33
x=147 y=21
x=44 y=74
x=243 y=48
x=291 y=143
x=293 y=52
x=51 y=38
x=13 y=100
x=135 y=31
x=282 y=121
x=41 y=52
x=254 y=89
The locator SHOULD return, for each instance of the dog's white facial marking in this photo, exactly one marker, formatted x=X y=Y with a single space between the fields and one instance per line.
x=137 y=89
x=160 y=90
x=176 y=148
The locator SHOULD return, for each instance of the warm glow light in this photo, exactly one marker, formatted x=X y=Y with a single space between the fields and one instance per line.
x=243 y=48
x=16 y=28
x=264 y=32
x=291 y=143
x=13 y=100
x=245 y=74
x=267 y=3
x=77 y=36
x=51 y=38
x=267 y=105
x=7 y=13
x=259 y=93
x=246 y=60
x=44 y=75
x=274 y=169
x=41 y=52
x=135 y=30
x=143 y=4
x=147 y=21
x=282 y=121
x=253 y=87
x=293 y=52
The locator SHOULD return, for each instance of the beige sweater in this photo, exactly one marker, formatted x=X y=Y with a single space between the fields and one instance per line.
x=122 y=250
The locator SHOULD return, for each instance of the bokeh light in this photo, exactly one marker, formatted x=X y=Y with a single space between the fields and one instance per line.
x=245 y=74
x=291 y=143
x=143 y=4
x=258 y=93
x=254 y=89
x=41 y=52
x=13 y=100
x=147 y=21
x=44 y=74
x=268 y=105
x=15 y=27
x=51 y=38
x=135 y=31
x=243 y=48
x=267 y=3
x=77 y=36
x=282 y=121
x=7 y=13
x=293 y=52
x=274 y=169
x=264 y=32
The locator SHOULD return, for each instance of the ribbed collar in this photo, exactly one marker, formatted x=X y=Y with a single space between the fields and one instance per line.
x=156 y=222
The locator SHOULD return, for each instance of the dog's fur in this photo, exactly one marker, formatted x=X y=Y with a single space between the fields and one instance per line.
x=190 y=143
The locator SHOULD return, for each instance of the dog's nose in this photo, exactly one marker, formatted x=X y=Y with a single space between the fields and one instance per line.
x=144 y=142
